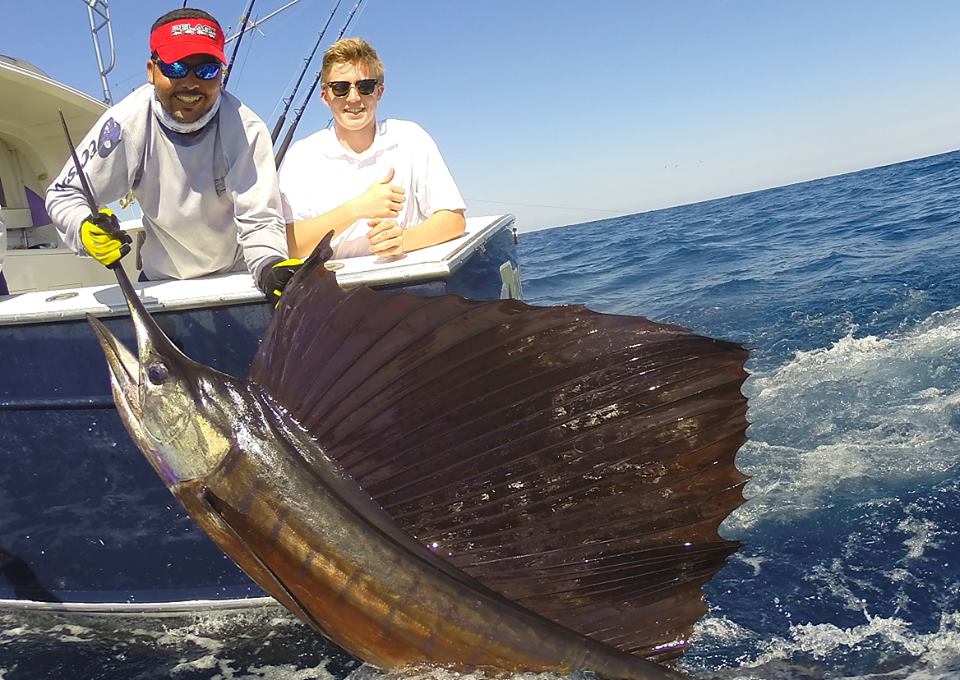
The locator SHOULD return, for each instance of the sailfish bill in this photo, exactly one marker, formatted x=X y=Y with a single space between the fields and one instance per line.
x=477 y=485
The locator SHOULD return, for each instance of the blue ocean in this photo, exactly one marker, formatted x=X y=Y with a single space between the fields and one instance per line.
x=847 y=292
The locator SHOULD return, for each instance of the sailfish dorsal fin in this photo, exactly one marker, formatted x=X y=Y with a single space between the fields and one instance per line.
x=578 y=463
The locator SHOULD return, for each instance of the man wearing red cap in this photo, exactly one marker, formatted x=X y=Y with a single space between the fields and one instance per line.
x=199 y=162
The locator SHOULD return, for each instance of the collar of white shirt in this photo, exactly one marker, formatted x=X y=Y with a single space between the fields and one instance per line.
x=332 y=148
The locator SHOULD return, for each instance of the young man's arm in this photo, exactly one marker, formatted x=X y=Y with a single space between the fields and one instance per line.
x=382 y=200
x=304 y=235
x=437 y=196
x=387 y=239
x=441 y=226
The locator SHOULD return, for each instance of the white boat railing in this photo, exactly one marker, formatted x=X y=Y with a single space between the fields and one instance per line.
x=433 y=263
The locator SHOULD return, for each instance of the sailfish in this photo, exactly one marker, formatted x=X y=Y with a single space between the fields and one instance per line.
x=438 y=481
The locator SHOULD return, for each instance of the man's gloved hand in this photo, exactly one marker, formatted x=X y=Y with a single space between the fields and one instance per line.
x=103 y=238
x=275 y=276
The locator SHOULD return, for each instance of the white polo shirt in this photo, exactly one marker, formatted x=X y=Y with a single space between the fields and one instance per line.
x=319 y=174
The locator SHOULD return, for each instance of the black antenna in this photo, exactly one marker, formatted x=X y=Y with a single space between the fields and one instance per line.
x=306 y=64
x=119 y=234
x=236 y=47
x=287 y=138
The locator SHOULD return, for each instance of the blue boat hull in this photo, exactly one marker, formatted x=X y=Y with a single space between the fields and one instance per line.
x=83 y=516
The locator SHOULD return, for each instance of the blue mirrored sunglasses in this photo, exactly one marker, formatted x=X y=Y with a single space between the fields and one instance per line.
x=208 y=70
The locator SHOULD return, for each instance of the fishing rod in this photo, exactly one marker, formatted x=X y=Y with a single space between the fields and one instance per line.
x=111 y=228
x=253 y=24
x=296 y=120
x=236 y=47
x=306 y=64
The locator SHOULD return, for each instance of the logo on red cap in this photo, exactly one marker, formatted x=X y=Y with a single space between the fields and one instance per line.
x=193 y=29
x=180 y=38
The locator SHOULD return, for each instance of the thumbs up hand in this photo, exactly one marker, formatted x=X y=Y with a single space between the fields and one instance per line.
x=381 y=200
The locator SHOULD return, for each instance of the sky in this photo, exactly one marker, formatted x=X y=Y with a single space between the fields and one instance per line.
x=563 y=112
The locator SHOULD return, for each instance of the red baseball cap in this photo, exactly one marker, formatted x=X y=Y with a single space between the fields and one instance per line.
x=182 y=37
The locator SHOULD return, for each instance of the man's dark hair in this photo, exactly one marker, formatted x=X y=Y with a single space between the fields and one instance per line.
x=187 y=13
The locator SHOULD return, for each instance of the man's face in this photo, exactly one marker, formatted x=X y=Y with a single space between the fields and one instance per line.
x=354 y=111
x=187 y=98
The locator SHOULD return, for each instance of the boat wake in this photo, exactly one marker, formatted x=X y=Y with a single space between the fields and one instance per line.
x=867 y=412
x=263 y=642
x=880 y=647
x=850 y=510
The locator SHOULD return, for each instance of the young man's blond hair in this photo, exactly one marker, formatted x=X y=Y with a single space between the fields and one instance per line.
x=355 y=51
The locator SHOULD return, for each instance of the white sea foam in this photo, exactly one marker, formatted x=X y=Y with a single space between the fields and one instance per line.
x=290 y=672
x=204 y=663
x=938 y=651
x=937 y=648
x=871 y=409
x=720 y=630
x=922 y=534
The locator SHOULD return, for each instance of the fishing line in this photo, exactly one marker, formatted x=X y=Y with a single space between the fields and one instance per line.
x=537 y=205
x=306 y=100
x=236 y=47
x=248 y=50
x=289 y=100
x=256 y=24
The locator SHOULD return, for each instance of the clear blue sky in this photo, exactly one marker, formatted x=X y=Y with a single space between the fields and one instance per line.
x=594 y=108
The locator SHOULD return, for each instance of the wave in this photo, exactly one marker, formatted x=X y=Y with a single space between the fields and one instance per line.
x=880 y=647
x=260 y=642
x=871 y=409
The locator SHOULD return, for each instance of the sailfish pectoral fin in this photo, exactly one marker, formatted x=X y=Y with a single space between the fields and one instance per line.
x=205 y=511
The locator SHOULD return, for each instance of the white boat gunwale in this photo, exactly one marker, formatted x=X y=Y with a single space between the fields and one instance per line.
x=138 y=608
x=433 y=263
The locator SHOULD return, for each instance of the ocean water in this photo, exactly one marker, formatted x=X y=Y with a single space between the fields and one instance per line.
x=847 y=291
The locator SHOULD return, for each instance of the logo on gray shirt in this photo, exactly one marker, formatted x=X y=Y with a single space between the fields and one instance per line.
x=109 y=138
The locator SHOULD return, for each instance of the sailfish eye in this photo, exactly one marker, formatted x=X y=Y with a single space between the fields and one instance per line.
x=157 y=373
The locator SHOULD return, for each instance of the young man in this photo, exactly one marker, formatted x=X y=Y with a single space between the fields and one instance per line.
x=400 y=195
x=199 y=162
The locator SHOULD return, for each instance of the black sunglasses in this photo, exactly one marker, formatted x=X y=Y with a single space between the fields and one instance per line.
x=341 y=88
x=208 y=70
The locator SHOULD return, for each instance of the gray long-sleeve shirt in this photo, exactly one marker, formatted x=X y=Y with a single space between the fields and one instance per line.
x=210 y=200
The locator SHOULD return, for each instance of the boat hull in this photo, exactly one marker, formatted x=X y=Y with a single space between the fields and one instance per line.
x=84 y=520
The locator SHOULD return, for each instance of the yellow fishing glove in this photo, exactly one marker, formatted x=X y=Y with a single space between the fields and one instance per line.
x=103 y=238
x=275 y=276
